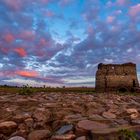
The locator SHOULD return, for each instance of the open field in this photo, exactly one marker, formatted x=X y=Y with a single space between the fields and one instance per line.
x=65 y=115
x=10 y=89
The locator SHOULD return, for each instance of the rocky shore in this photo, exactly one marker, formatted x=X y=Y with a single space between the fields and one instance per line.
x=69 y=116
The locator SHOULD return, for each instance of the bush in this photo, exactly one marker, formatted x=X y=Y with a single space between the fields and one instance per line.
x=128 y=135
x=26 y=90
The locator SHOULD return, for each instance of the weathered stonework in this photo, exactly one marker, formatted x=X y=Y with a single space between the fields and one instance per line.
x=116 y=77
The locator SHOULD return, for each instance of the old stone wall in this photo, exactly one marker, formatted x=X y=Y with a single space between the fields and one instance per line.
x=114 y=77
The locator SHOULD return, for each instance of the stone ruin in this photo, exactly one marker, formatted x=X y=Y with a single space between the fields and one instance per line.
x=116 y=77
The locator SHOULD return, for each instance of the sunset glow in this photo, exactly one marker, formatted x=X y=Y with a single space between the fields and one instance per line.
x=61 y=42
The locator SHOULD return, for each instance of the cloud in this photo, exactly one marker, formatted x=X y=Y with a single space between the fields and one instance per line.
x=134 y=10
x=110 y=19
x=49 y=13
x=14 y=4
x=28 y=35
x=121 y=2
x=52 y=41
x=21 y=52
x=65 y=2
x=30 y=74
x=9 y=38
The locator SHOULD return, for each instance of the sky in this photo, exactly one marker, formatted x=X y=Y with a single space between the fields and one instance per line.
x=61 y=42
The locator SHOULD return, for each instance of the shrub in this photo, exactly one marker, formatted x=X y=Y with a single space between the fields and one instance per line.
x=128 y=135
x=26 y=90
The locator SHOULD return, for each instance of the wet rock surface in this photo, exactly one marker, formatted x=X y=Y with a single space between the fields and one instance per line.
x=16 y=138
x=69 y=116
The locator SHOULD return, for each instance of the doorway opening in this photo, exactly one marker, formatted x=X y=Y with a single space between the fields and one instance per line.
x=134 y=83
x=122 y=90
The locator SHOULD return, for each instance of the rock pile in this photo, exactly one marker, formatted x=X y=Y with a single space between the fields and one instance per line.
x=59 y=116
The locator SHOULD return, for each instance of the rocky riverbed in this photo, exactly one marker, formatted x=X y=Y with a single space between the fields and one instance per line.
x=69 y=116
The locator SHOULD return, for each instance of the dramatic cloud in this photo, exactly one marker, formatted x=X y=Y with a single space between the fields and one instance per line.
x=110 y=19
x=122 y=2
x=135 y=10
x=61 y=42
x=27 y=73
x=9 y=38
x=21 y=52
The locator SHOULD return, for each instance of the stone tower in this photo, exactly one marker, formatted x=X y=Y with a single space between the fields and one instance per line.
x=116 y=77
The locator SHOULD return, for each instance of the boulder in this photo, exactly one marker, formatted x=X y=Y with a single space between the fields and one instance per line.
x=21 y=117
x=136 y=122
x=41 y=114
x=131 y=111
x=29 y=122
x=64 y=137
x=64 y=129
x=113 y=133
x=39 y=135
x=83 y=127
x=7 y=127
x=109 y=115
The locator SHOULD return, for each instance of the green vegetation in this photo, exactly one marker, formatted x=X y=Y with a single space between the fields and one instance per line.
x=128 y=135
x=78 y=90
x=26 y=90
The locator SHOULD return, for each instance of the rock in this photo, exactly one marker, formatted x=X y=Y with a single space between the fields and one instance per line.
x=22 y=129
x=64 y=137
x=109 y=115
x=74 y=118
x=29 y=122
x=90 y=125
x=51 y=105
x=21 y=117
x=134 y=116
x=41 y=114
x=121 y=121
x=92 y=111
x=131 y=111
x=105 y=134
x=8 y=127
x=96 y=117
x=135 y=122
x=64 y=129
x=57 y=124
x=16 y=138
x=83 y=127
x=112 y=133
x=81 y=138
x=39 y=135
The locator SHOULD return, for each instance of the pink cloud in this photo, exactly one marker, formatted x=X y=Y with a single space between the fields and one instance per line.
x=21 y=52
x=43 y=42
x=118 y=12
x=121 y=2
x=49 y=14
x=5 y=50
x=110 y=19
x=9 y=38
x=65 y=2
x=14 y=4
x=90 y=30
x=27 y=35
x=7 y=73
x=29 y=74
x=134 y=10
